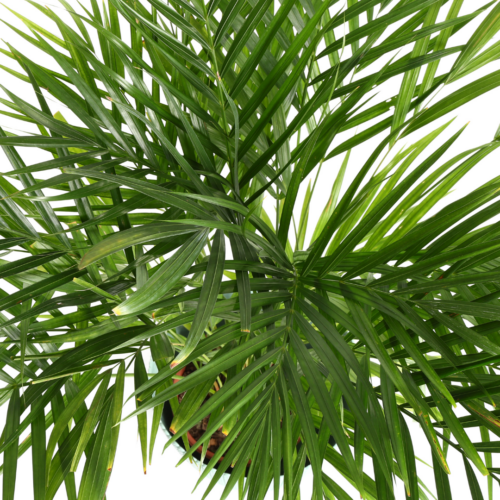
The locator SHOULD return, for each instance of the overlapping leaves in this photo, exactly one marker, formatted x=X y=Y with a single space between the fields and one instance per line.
x=194 y=120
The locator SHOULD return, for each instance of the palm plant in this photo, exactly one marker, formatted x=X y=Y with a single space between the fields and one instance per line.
x=180 y=134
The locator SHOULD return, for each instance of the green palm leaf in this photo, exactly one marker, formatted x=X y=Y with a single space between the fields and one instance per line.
x=175 y=216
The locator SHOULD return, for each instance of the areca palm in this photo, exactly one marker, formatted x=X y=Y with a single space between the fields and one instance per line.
x=168 y=124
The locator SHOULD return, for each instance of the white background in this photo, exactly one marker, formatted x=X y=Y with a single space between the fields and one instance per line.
x=163 y=480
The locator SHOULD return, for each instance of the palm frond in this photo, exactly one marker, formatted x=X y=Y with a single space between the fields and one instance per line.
x=170 y=222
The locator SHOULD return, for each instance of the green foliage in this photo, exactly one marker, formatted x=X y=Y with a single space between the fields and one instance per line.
x=200 y=126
